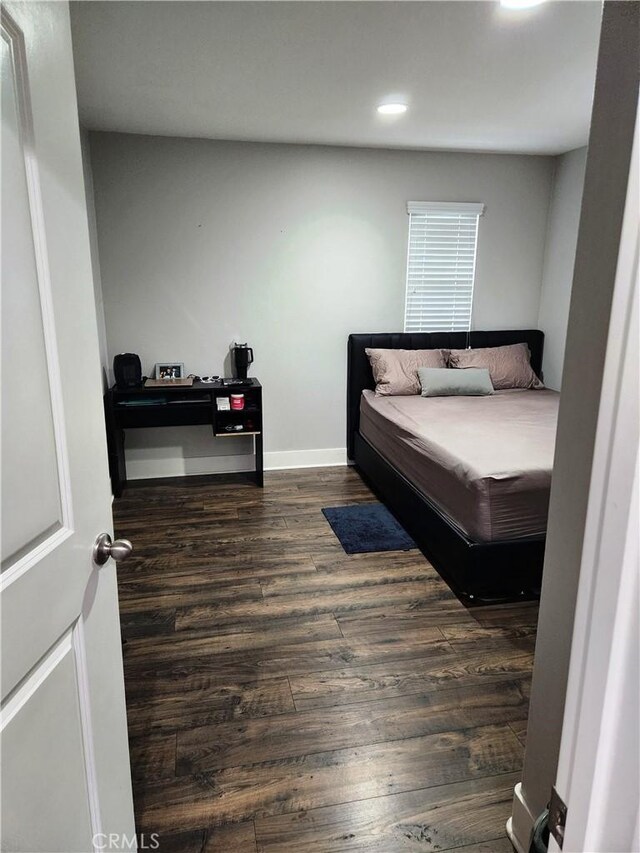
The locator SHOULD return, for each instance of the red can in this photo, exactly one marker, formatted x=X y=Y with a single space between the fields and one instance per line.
x=237 y=401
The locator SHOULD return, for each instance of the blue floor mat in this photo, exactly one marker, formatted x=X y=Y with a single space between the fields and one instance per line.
x=362 y=528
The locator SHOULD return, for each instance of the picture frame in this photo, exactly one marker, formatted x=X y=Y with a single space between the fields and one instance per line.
x=169 y=370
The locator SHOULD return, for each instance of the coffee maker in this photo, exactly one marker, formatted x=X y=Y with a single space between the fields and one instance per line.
x=242 y=358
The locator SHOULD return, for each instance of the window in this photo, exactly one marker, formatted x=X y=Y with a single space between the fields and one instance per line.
x=441 y=266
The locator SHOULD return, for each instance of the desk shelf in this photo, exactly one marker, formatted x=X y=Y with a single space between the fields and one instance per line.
x=180 y=406
x=157 y=416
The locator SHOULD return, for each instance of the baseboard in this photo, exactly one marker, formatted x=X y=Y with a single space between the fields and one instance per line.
x=281 y=459
x=520 y=824
x=278 y=460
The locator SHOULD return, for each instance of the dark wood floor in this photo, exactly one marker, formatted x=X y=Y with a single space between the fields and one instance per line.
x=283 y=696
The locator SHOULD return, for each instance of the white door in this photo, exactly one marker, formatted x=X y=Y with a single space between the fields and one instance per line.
x=65 y=764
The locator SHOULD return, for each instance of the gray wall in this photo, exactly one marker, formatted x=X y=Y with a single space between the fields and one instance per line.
x=562 y=236
x=290 y=248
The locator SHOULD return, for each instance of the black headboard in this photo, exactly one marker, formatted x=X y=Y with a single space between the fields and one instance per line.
x=359 y=374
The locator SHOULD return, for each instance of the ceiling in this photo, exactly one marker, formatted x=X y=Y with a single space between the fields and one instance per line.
x=477 y=77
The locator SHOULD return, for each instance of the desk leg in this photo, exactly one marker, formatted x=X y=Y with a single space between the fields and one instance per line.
x=117 y=463
x=259 y=461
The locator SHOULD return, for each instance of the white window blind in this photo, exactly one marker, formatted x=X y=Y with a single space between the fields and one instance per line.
x=441 y=266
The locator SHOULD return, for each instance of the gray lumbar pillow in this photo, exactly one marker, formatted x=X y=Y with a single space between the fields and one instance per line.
x=454 y=382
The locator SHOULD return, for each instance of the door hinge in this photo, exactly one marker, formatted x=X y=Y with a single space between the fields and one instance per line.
x=557 y=817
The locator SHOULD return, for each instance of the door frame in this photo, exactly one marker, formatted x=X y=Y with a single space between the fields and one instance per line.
x=598 y=770
x=594 y=342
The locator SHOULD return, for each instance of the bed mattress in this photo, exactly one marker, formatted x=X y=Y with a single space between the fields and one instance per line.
x=485 y=462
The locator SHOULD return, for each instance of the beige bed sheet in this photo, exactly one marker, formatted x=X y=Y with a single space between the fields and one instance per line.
x=484 y=461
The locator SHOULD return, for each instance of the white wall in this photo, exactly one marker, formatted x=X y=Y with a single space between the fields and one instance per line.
x=562 y=236
x=290 y=248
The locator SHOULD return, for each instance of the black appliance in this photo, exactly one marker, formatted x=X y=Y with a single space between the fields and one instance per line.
x=242 y=358
x=127 y=370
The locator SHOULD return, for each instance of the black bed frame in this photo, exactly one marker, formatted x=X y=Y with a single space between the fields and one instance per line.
x=478 y=573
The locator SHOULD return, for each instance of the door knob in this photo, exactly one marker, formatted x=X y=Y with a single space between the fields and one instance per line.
x=104 y=547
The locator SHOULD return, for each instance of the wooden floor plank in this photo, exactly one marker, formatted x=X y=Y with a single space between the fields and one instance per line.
x=242 y=566
x=435 y=819
x=523 y=613
x=233 y=838
x=205 y=704
x=293 y=504
x=192 y=660
x=469 y=636
x=313 y=603
x=496 y=845
x=287 y=544
x=441 y=670
x=211 y=582
x=344 y=702
x=147 y=623
x=201 y=591
x=327 y=778
x=202 y=527
x=338 y=561
x=309 y=519
x=153 y=756
x=422 y=609
x=351 y=579
x=229 y=647
x=305 y=732
x=519 y=728
x=466 y=637
x=260 y=537
x=399 y=618
x=204 y=524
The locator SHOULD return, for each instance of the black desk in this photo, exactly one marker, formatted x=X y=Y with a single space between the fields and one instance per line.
x=180 y=406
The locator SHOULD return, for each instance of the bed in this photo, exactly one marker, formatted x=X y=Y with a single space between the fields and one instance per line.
x=468 y=477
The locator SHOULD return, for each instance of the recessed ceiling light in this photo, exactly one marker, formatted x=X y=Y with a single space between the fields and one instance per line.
x=392 y=109
x=520 y=4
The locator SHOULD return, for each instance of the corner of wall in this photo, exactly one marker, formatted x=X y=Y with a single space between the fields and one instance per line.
x=547 y=236
x=563 y=220
x=85 y=147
